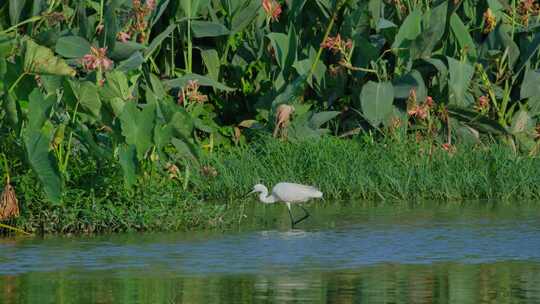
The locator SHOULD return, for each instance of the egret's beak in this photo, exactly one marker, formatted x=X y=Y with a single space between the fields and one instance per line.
x=247 y=194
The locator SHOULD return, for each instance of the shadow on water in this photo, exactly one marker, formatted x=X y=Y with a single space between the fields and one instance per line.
x=344 y=253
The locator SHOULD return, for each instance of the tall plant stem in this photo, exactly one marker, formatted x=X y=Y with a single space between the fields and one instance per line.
x=30 y=20
x=326 y=34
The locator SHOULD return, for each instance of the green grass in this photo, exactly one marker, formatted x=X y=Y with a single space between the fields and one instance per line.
x=96 y=200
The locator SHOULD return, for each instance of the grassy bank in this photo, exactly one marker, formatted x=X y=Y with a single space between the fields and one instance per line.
x=97 y=201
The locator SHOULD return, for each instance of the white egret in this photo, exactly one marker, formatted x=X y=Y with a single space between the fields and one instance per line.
x=288 y=193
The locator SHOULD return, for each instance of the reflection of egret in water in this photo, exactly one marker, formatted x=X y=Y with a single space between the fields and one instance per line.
x=289 y=193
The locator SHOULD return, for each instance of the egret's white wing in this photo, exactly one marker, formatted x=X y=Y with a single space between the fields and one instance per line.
x=291 y=192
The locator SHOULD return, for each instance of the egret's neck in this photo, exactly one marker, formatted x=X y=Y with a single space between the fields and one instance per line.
x=265 y=198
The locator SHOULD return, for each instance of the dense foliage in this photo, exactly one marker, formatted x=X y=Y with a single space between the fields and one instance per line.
x=152 y=84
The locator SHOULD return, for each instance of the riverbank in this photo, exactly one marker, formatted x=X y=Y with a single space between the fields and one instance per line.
x=96 y=200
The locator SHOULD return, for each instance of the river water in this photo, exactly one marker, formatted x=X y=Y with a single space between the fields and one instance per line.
x=344 y=253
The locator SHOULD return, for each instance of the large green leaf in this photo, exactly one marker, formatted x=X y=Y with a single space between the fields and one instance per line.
x=41 y=60
x=15 y=9
x=243 y=17
x=72 y=46
x=88 y=97
x=138 y=126
x=376 y=99
x=128 y=161
x=181 y=82
x=434 y=26
x=530 y=86
x=203 y=29
x=132 y=63
x=39 y=109
x=211 y=61
x=191 y=7
x=43 y=163
x=461 y=32
x=461 y=74
x=410 y=29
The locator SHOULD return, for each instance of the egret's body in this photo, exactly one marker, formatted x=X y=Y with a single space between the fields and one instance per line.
x=288 y=193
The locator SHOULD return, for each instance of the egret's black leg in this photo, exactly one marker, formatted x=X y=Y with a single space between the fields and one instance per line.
x=290 y=215
x=306 y=215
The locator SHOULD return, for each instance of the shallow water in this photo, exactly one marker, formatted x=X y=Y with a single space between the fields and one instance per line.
x=351 y=253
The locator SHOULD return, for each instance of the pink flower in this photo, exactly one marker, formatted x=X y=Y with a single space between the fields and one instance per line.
x=336 y=44
x=418 y=111
x=448 y=147
x=97 y=59
x=123 y=36
x=272 y=9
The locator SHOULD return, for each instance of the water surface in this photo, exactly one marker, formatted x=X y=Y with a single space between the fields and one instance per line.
x=349 y=253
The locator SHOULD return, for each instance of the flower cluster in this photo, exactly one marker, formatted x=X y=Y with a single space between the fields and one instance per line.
x=489 y=21
x=482 y=104
x=527 y=8
x=272 y=9
x=337 y=44
x=191 y=93
x=141 y=12
x=420 y=111
x=97 y=60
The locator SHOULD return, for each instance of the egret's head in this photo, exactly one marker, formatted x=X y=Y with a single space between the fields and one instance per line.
x=259 y=188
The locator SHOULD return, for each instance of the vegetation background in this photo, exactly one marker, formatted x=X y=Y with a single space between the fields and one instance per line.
x=128 y=110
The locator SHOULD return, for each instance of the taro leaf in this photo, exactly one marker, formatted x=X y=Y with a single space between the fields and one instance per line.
x=192 y=7
x=116 y=86
x=376 y=99
x=37 y=139
x=530 y=50
x=285 y=48
x=375 y=10
x=522 y=123
x=138 y=126
x=181 y=82
x=461 y=74
x=410 y=29
x=181 y=123
x=39 y=109
x=124 y=50
x=111 y=24
x=12 y=110
x=303 y=67
x=15 y=10
x=434 y=25
x=404 y=85
x=211 y=61
x=318 y=119
x=72 y=46
x=441 y=68
x=128 y=161
x=531 y=84
x=203 y=29
x=461 y=32
x=86 y=137
x=162 y=136
x=43 y=163
x=88 y=96
x=132 y=63
x=52 y=83
x=41 y=60
x=501 y=39
x=157 y=87
x=244 y=16
x=184 y=148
